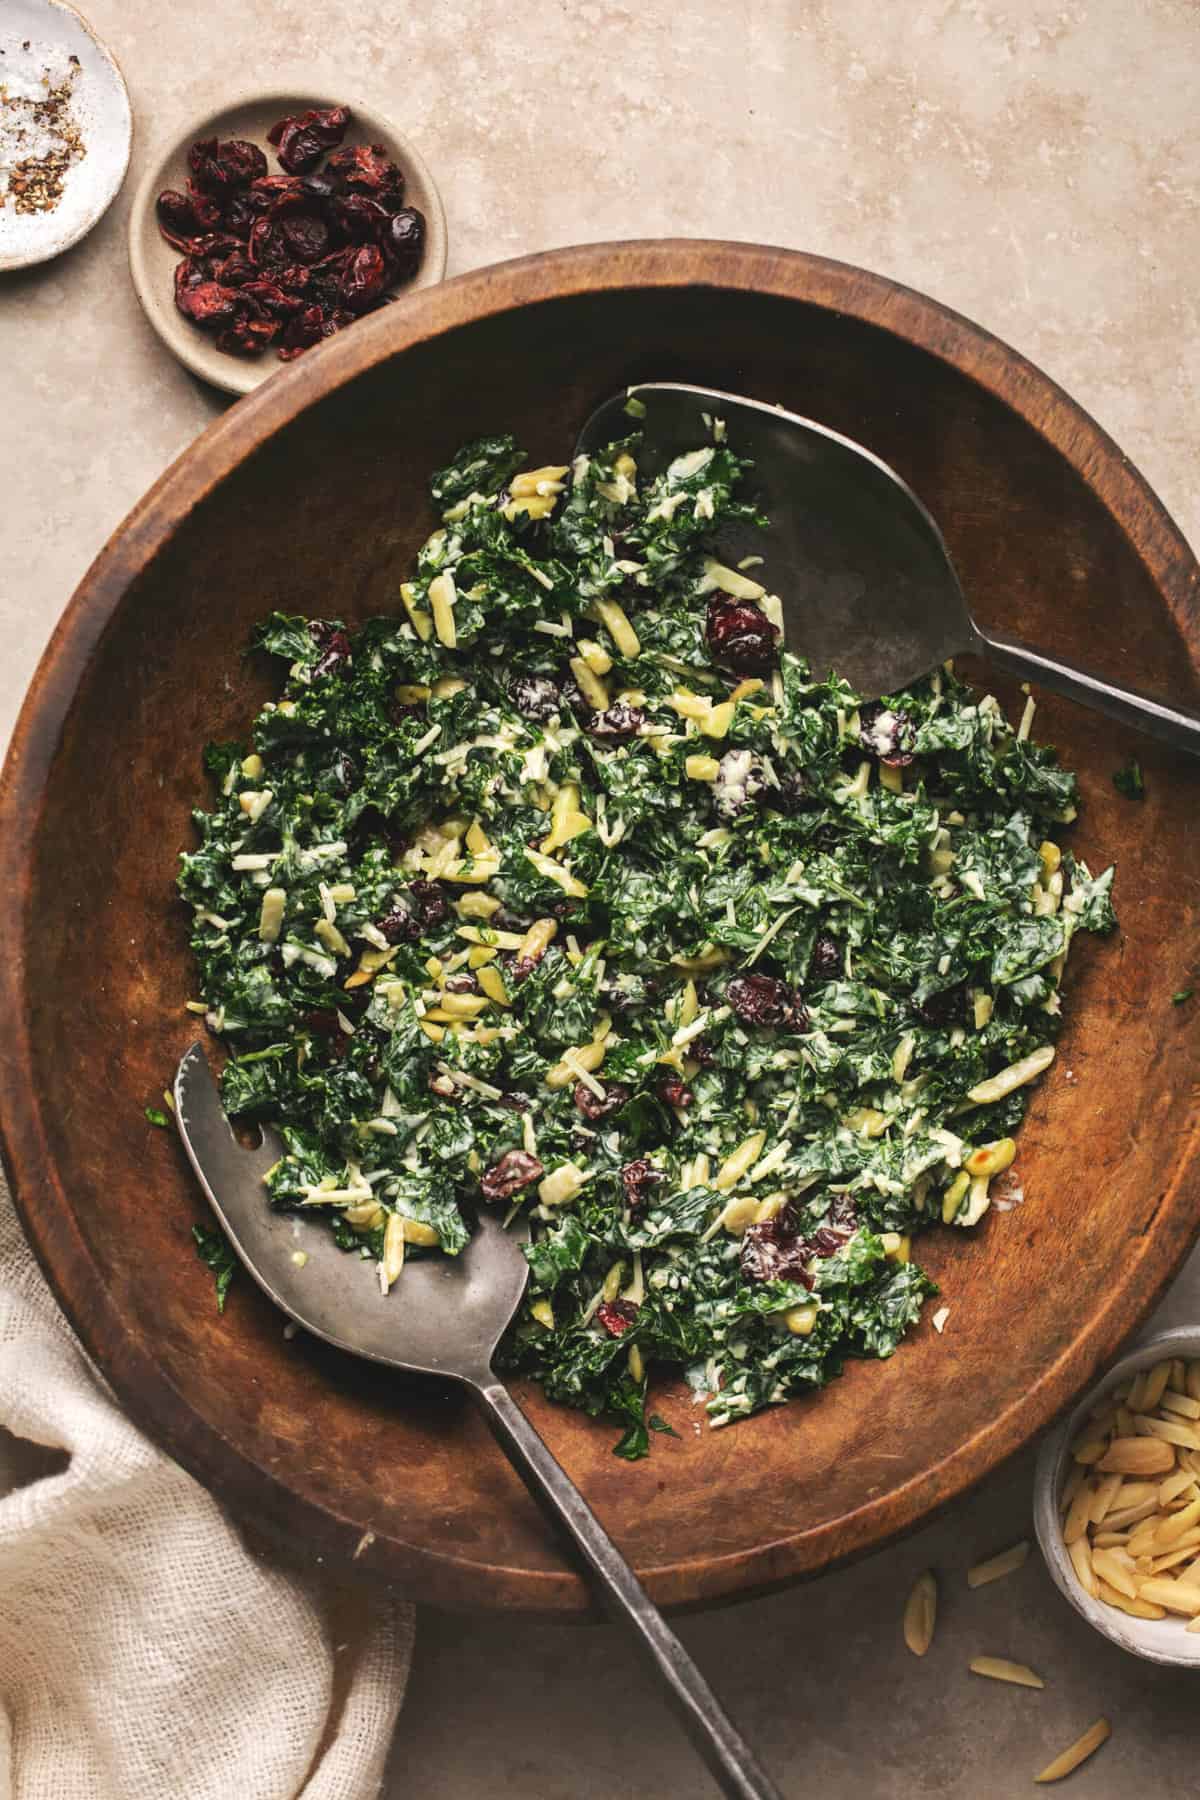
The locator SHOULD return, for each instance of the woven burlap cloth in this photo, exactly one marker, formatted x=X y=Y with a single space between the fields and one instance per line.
x=145 y=1652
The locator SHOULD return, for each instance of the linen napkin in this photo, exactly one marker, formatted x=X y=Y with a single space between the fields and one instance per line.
x=145 y=1653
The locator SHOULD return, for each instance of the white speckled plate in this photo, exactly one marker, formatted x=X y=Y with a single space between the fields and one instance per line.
x=39 y=37
x=152 y=261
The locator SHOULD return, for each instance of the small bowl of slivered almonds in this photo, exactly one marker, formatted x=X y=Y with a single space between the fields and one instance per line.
x=1117 y=1501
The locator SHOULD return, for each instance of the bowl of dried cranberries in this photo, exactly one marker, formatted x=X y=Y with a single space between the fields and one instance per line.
x=267 y=227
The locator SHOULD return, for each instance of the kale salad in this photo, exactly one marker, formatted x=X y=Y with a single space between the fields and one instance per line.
x=566 y=889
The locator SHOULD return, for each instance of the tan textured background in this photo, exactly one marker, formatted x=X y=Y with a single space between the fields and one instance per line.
x=1035 y=165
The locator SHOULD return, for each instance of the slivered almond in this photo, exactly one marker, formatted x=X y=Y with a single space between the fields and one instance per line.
x=1109 y=1568
x=998 y=1668
x=1176 y=1596
x=1081 y=1562
x=1137 y=1609
x=1170 y=1431
x=1103 y=1497
x=1173 y=1560
x=1193 y=1380
x=1108 y=1540
x=1076 y=1522
x=1181 y=1403
x=1175 y=1485
x=1004 y=1563
x=1123 y=1516
x=1071 y=1487
x=1078 y=1752
x=1154 y=1386
x=920 y=1613
x=1149 y=1455
x=1176 y=1527
x=1193 y=1625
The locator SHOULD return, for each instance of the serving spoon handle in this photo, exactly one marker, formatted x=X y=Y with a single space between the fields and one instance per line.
x=715 y=1737
x=1180 y=730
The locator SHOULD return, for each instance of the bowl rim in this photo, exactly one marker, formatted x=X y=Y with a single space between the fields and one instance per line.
x=189 y=346
x=437 y=1574
x=1176 y=1649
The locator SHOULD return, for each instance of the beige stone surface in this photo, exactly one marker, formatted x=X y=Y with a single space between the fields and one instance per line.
x=1035 y=164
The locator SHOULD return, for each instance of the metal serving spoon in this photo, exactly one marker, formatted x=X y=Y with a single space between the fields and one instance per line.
x=446 y=1319
x=866 y=580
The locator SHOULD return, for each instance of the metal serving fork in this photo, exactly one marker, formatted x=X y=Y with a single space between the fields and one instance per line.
x=448 y=1322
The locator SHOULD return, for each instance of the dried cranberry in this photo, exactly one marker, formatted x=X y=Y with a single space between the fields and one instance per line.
x=206 y=303
x=534 y=696
x=273 y=194
x=888 y=734
x=616 y=1316
x=363 y=283
x=235 y=270
x=367 y=169
x=620 y=721
x=775 y=1251
x=359 y=219
x=317 y=186
x=461 y=984
x=239 y=214
x=334 y=645
x=182 y=217
x=302 y=140
x=673 y=1091
x=301 y=332
x=741 y=638
x=268 y=247
x=275 y=301
x=337 y=320
x=405 y=242
x=220 y=168
x=306 y=237
x=827 y=1239
x=593 y=1107
x=637 y=1178
x=429 y=902
x=825 y=964
x=515 y=1170
x=759 y=999
x=247 y=335
x=421 y=907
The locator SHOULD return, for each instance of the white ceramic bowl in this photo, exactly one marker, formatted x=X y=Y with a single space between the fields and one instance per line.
x=32 y=33
x=152 y=261
x=1158 y=1640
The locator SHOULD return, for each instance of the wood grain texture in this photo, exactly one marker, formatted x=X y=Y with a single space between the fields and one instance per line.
x=310 y=495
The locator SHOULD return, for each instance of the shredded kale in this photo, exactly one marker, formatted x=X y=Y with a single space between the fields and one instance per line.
x=216 y=1253
x=1130 y=781
x=565 y=888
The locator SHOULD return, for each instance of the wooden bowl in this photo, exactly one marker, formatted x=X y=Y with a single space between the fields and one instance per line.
x=311 y=496
x=152 y=261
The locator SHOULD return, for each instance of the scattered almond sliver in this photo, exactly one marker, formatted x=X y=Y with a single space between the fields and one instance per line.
x=996 y=1567
x=920 y=1613
x=1131 y=1504
x=1079 y=1752
x=997 y=1668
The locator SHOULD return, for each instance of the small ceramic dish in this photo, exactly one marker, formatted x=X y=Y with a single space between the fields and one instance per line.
x=1157 y=1640
x=152 y=261
x=46 y=46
